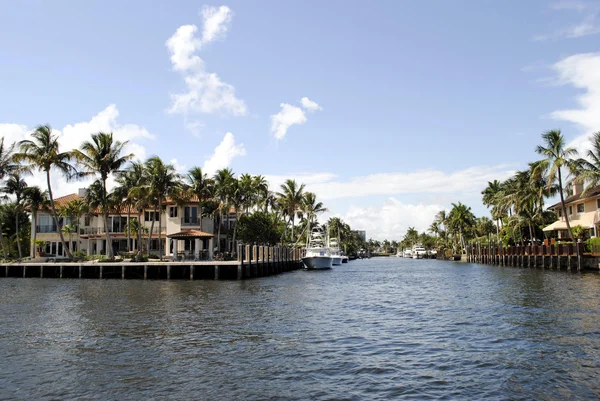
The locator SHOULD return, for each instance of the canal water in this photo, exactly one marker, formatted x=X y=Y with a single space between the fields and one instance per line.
x=377 y=329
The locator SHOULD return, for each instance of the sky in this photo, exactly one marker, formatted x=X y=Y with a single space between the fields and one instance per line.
x=389 y=110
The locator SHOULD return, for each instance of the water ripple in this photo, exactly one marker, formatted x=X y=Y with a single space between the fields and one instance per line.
x=374 y=329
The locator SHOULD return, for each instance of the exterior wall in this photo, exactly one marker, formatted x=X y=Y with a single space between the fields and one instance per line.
x=91 y=237
x=589 y=206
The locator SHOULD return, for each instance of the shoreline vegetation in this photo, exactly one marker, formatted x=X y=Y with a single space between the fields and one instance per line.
x=517 y=204
x=262 y=216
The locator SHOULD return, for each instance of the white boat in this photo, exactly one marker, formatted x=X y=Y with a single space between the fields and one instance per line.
x=407 y=253
x=318 y=256
x=344 y=259
x=334 y=249
x=418 y=252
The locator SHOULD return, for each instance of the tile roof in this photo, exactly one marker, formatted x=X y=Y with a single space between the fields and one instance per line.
x=592 y=192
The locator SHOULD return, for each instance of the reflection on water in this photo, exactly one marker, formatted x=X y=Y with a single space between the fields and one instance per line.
x=371 y=329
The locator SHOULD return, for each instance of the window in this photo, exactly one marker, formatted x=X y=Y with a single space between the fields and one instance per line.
x=559 y=212
x=173 y=211
x=581 y=208
x=598 y=203
x=87 y=221
x=150 y=216
x=570 y=210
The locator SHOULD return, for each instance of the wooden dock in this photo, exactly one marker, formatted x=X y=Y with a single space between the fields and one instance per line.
x=569 y=257
x=253 y=261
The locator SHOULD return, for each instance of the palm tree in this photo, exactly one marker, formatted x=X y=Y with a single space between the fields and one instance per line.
x=557 y=156
x=102 y=156
x=16 y=185
x=290 y=198
x=588 y=170
x=199 y=185
x=42 y=153
x=490 y=199
x=7 y=165
x=462 y=220
x=35 y=200
x=224 y=185
x=133 y=185
x=163 y=182
x=311 y=207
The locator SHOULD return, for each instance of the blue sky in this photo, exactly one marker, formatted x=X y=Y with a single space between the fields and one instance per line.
x=410 y=105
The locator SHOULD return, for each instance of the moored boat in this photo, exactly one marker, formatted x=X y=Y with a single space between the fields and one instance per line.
x=318 y=256
x=334 y=250
x=418 y=252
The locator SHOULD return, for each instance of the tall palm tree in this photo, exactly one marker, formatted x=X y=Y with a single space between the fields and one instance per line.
x=43 y=154
x=490 y=199
x=290 y=198
x=199 y=185
x=164 y=182
x=224 y=184
x=588 y=170
x=102 y=156
x=134 y=187
x=16 y=185
x=557 y=156
x=7 y=166
x=35 y=200
x=311 y=207
x=462 y=220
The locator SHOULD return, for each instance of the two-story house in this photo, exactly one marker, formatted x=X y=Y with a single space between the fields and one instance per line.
x=582 y=209
x=180 y=230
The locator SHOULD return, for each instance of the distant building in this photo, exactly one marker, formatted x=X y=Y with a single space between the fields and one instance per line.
x=583 y=210
x=362 y=234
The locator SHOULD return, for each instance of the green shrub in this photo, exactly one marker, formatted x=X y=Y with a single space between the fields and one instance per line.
x=152 y=256
x=592 y=245
x=79 y=256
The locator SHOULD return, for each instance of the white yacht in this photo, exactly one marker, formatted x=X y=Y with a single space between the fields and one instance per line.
x=334 y=249
x=407 y=253
x=418 y=252
x=318 y=256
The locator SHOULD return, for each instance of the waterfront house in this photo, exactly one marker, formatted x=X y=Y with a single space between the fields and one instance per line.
x=582 y=209
x=180 y=230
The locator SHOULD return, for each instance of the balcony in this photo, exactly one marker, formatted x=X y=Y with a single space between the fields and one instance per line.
x=190 y=221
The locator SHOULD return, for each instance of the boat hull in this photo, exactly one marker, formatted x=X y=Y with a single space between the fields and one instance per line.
x=336 y=260
x=317 y=262
x=344 y=259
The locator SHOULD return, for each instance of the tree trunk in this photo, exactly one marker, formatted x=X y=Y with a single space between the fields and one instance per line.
x=160 y=249
x=139 y=235
x=62 y=238
x=293 y=221
x=531 y=233
x=562 y=202
x=128 y=229
x=35 y=248
x=17 y=229
x=151 y=229
x=219 y=232
x=237 y=220
x=109 y=248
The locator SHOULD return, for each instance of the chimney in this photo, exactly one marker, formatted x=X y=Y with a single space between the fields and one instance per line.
x=577 y=189
x=82 y=192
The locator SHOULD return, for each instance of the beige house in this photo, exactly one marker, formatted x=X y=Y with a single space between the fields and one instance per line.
x=180 y=234
x=583 y=210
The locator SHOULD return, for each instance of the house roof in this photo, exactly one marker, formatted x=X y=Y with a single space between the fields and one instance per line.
x=186 y=234
x=591 y=193
x=64 y=200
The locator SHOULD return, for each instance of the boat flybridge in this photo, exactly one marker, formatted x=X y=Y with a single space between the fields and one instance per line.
x=418 y=252
x=318 y=255
x=334 y=249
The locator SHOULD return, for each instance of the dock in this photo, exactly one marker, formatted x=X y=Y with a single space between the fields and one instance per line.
x=252 y=262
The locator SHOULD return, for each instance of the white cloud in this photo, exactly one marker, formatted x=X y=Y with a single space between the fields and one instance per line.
x=467 y=181
x=390 y=219
x=206 y=92
x=310 y=105
x=589 y=26
x=71 y=136
x=223 y=154
x=288 y=116
x=216 y=23
x=195 y=127
x=570 y=5
x=581 y=71
x=180 y=168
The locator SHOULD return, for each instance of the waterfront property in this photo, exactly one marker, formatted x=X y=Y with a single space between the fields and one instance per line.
x=180 y=230
x=582 y=209
x=253 y=261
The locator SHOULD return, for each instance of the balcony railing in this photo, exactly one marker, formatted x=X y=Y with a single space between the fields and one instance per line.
x=190 y=221
x=116 y=230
